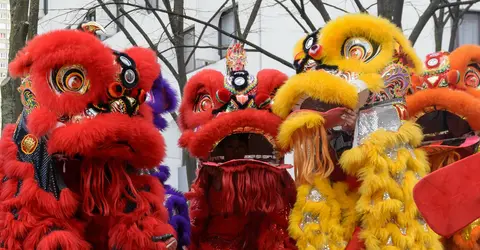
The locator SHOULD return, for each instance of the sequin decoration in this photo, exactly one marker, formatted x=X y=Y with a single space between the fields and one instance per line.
x=386 y=196
x=307 y=219
x=315 y=196
x=325 y=247
x=389 y=241
x=392 y=153
x=382 y=116
x=403 y=230
x=396 y=81
x=423 y=223
x=399 y=176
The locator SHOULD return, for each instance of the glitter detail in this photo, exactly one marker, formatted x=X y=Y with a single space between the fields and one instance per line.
x=423 y=223
x=389 y=241
x=417 y=176
x=315 y=196
x=325 y=247
x=386 y=196
x=307 y=219
x=392 y=153
x=381 y=116
x=403 y=230
x=399 y=177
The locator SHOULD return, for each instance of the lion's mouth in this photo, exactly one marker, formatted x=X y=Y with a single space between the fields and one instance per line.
x=442 y=125
x=309 y=103
x=246 y=144
x=124 y=105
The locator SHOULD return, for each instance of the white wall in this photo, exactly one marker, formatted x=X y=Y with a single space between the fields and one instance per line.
x=273 y=30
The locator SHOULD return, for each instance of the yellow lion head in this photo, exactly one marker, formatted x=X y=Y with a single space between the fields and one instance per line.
x=354 y=61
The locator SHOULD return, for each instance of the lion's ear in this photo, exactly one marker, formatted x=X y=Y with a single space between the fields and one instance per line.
x=20 y=66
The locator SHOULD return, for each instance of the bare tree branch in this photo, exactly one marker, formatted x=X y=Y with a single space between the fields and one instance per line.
x=320 y=6
x=118 y=23
x=292 y=15
x=335 y=7
x=427 y=14
x=251 y=19
x=258 y=48
x=203 y=31
x=237 y=19
x=360 y=6
x=202 y=47
x=164 y=27
x=391 y=10
x=304 y=16
x=456 y=16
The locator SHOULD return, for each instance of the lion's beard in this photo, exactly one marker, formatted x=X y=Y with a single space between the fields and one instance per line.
x=311 y=154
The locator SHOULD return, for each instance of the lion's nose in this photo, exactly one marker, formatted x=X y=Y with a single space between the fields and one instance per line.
x=315 y=51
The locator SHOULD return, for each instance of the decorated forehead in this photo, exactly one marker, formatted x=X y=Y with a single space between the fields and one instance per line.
x=436 y=74
x=238 y=80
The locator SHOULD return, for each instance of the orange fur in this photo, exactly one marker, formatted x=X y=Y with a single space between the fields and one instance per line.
x=458 y=102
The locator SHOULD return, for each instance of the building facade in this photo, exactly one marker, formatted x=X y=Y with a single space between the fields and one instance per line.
x=274 y=30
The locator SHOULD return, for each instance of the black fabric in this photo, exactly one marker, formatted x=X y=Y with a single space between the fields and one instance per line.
x=45 y=173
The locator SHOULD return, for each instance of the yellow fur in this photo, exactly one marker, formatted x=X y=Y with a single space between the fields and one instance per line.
x=377 y=29
x=384 y=215
x=316 y=84
x=380 y=218
x=337 y=217
x=341 y=209
x=294 y=122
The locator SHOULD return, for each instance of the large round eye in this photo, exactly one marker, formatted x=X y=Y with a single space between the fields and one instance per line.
x=70 y=78
x=203 y=103
x=359 y=48
x=472 y=76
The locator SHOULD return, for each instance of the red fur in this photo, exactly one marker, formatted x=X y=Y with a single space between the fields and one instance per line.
x=91 y=212
x=203 y=140
x=99 y=137
x=147 y=66
x=207 y=81
x=49 y=121
x=464 y=105
x=250 y=210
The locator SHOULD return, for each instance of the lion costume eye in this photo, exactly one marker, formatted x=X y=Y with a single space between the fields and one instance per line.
x=359 y=48
x=472 y=76
x=71 y=78
x=203 y=103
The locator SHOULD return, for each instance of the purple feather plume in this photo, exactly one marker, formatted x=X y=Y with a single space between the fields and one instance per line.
x=163 y=99
x=177 y=208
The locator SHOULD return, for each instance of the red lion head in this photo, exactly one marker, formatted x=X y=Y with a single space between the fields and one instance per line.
x=84 y=148
x=227 y=123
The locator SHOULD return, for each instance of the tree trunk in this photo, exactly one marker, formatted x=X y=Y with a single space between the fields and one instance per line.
x=11 y=104
x=391 y=10
x=33 y=19
x=191 y=165
x=439 y=25
x=178 y=37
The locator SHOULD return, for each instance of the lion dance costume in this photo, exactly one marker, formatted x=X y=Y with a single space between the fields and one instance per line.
x=355 y=187
x=446 y=103
x=243 y=193
x=75 y=168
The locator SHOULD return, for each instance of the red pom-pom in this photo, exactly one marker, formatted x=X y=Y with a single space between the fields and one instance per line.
x=262 y=99
x=223 y=95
